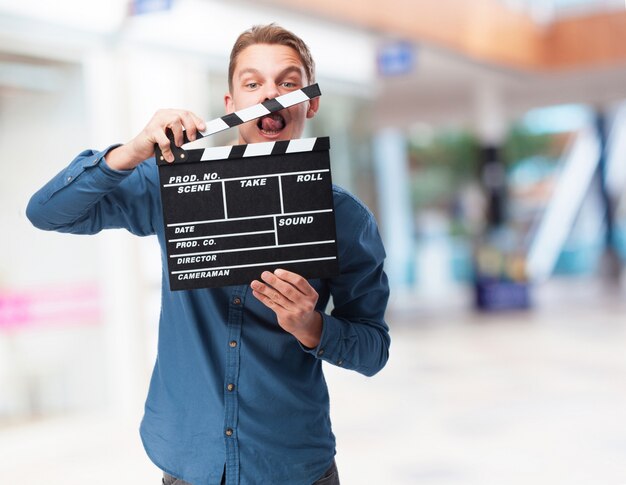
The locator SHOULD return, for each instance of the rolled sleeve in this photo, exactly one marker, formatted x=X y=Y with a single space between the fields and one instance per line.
x=329 y=349
x=89 y=162
x=88 y=196
x=355 y=335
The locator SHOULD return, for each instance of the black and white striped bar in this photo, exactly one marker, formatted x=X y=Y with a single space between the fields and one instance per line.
x=232 y=212
x=258 y=149
x=253 y=112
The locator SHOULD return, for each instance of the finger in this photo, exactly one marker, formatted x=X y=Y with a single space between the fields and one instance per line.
x=164 y=144
x=189 y=121
x=297 y=281
x=177 y=130
x=272 y=293
x=287 y=290
x=200 y=124
x=267 y=301
x=189 y=125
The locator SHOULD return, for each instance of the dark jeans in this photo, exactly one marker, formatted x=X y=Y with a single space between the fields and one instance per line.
x=331 y=477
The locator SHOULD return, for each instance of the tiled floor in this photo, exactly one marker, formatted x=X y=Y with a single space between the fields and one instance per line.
x=537 y=398
x=524 y=398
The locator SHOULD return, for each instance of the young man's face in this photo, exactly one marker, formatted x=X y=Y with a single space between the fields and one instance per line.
x=265 y=71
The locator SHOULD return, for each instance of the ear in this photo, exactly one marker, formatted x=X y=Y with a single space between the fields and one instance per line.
x=229 y=104
x=314 y=105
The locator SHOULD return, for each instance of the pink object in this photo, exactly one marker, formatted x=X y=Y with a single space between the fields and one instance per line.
x=59 y=305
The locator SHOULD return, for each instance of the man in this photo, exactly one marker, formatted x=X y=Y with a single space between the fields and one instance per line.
x=237 y=394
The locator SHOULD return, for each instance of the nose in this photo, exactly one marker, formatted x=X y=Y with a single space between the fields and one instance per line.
x=270 y=91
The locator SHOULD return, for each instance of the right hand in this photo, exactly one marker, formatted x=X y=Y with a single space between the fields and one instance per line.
x=131 y=154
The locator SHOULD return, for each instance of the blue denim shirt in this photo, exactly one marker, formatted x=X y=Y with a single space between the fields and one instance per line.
x=230 y=388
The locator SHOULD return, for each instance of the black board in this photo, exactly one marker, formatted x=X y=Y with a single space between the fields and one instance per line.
x=231 y=213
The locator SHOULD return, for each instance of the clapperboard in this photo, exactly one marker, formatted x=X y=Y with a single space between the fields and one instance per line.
x=232 y=212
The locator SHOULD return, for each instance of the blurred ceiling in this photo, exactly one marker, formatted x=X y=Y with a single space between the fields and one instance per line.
x=524 y=34
x=547 y=11
x=510 y=55
x=447 y=89
x=521 y=54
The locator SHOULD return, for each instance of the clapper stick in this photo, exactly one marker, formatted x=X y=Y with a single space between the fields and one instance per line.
x=253 y=112
x=237 y=118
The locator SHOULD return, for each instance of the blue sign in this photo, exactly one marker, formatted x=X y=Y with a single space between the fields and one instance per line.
x=396 y=59
x=140 y=7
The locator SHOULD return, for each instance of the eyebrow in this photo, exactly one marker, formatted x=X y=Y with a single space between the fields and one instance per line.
x=284 y=72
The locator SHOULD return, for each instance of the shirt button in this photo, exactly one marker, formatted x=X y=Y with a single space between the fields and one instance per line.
x=230 y=387
x=229 y=432
x=233 y=343
x=340 y=362
x=236 y=301
x=320 y=352
x=69 y=178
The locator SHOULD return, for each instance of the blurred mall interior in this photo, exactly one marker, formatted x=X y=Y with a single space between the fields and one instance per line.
x=487 y=136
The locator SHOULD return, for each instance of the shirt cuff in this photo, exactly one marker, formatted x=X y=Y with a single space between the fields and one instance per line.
x=328 y=348
x=105 y=174
x=101 y=162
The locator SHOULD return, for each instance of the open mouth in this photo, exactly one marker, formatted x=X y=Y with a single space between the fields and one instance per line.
x=271 y=124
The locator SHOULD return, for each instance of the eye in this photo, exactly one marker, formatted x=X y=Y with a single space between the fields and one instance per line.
x=252 y=85
x=289 y=85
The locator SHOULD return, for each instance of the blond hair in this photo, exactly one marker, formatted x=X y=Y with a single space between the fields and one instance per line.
x=271 y=34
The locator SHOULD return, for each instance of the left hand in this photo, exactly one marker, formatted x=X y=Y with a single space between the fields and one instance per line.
x=293 y=300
